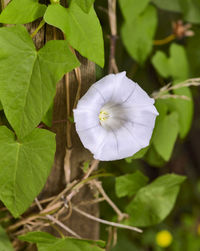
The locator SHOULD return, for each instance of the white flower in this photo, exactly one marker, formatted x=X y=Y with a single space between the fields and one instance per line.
x=115 y=118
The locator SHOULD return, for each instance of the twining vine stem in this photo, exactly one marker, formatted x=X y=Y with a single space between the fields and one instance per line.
x=113 y=37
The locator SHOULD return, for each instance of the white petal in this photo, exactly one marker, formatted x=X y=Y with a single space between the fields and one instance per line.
x=108 y=150
x=127 y=145
x=141 y=133
x=144 y=115
x=92 y=138
x=115 y=87
x=85 y=119
x=139 y=98
x=92 y=100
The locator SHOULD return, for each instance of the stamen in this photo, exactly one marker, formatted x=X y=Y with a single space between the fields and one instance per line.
x=103 y=115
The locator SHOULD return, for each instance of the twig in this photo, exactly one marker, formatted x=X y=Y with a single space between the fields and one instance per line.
x=163 y=92
x=54 y=220
x=121 y=215
x=78 y=92
x=110 y=223
x=67 y=162
x=2 y=5
x=63 y=192
x=90 y=202
x=94 y=165
x=174 y=96
x=83 y=182
x=113 y=37
x=86 y=176
x=67 y=165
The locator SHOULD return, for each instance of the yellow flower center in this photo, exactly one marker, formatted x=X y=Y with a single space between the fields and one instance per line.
x=164 y=238
x=103 y=115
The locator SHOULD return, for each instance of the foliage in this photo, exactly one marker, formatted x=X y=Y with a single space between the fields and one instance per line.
x=28 y=78
x=5 y=244
x=47 y=242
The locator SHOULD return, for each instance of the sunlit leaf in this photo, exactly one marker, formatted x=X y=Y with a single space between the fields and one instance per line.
x=24 y=167
x=85 y=5
x=22 y=12
x=83 y=31
x=28 y=77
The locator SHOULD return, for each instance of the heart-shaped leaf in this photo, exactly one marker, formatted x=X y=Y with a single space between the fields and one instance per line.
x=28 y=77
x=83 y=31
x=24 y=167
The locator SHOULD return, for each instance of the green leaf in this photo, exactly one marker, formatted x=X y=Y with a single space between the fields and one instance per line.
x=193 y=52
x=137 y=155
x=180 y=71
x=171 y=5
x=28 y=78
x=132 y=9
x=85 y=5
x=47 y=119
x=161 y=63
x=184 y=108
x=24 y=167
x=1 y=107
x=22 y=12
x=129 y=184
x=191 y=10
x=5 y=244
x=165 y=135
x=177 y=66
x=154 y=202
x=178 y=62
x=83 y=31
x=38 y=237
x=47 y=242
x=153 y=158
x=69 y=244
x=138 y=35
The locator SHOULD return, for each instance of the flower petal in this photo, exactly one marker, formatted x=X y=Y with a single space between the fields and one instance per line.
x=108 y=150
x=139 y=98
x=141 y=133
x=115 y=88
x=92 y=100
x=85 y=119
x=144 y=115
x=92 y=138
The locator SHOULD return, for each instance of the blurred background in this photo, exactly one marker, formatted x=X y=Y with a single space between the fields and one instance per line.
x=157 y=44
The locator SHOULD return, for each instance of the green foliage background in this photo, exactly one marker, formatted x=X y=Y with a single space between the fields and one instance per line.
x=139 y=185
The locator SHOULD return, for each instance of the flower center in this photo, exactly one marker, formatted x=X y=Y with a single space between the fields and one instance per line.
x=103 y=115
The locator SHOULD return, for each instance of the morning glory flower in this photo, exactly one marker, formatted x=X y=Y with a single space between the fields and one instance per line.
x=115 y=118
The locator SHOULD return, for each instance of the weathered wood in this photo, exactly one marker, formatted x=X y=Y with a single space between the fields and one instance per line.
x=56 y=181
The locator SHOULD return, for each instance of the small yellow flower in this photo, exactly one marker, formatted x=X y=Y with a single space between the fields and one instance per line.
x=164 y=238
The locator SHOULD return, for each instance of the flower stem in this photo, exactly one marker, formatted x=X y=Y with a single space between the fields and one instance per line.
x=165 y=40
x=41 y=24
